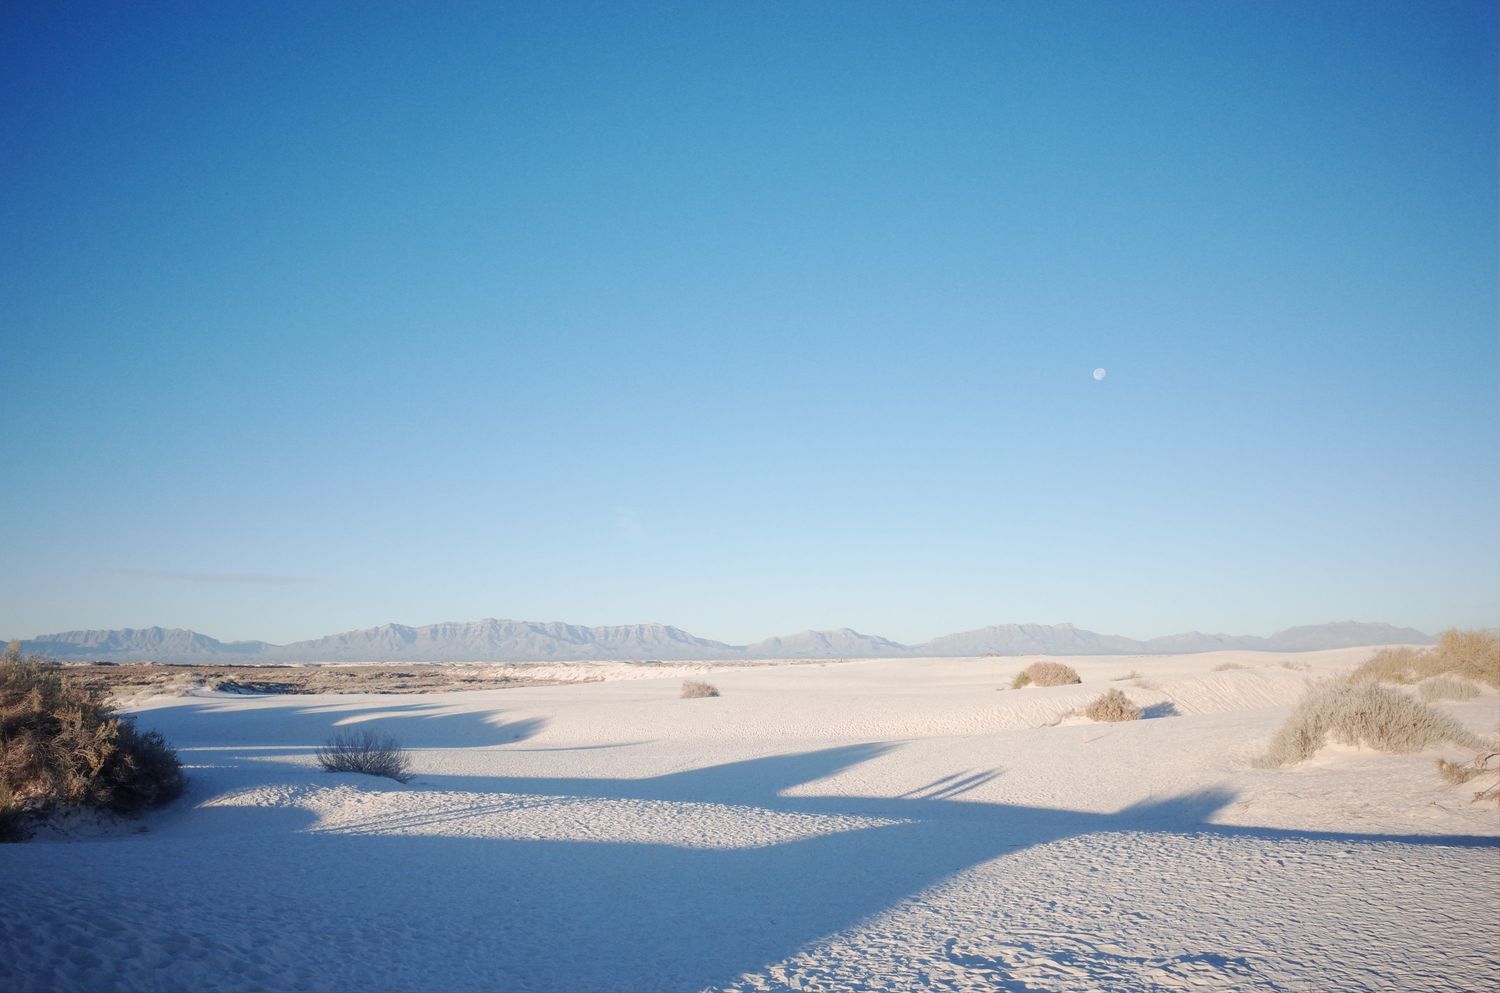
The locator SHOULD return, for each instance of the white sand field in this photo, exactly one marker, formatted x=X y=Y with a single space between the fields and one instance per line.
x=880 y=825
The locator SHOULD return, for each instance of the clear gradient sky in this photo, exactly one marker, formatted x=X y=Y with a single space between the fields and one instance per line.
x=748 y=317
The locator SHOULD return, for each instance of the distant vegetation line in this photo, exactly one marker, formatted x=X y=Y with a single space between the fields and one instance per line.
x=493 y=640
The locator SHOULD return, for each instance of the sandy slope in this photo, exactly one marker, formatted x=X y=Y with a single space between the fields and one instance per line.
x=876 y=825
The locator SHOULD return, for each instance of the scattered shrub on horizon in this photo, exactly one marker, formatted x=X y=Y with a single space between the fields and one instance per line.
x=367 y=753
x=1295 y=666
x=1045 y=674
x=1473 y=655
x=1226 y=666
x=62 y=744
x=1361 y=713
x=1111 y=706
x=696 y=689
x=1447 y=688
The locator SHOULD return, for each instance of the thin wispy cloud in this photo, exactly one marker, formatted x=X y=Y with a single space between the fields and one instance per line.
x=212 y=578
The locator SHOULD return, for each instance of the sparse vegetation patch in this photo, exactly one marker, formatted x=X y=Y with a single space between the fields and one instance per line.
x=62 y=745
x=1045 y=674
x=1447 y=688
x=695 y=689
x=368 y=753
x=1471 y=655
x=1361 y=713
x=1111 y=706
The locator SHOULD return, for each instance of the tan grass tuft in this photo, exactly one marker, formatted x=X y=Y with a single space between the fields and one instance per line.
x=1447 y=688
x=1469 y=654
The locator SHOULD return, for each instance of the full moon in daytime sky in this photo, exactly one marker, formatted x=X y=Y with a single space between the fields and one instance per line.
x=1099 y=374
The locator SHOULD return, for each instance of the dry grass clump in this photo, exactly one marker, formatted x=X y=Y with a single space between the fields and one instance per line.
x=1468 y=654
x=1361 y=713
x=1460 y=774
x=1396 y=665
x=1112 y=705
x=1226 y=666
x=1455 y=773
x=1447 y=688
x=1045 y=674
x=368 y=753
x=1132 y=674
x=695 y=689
x=62 y=745
x=1471 y=654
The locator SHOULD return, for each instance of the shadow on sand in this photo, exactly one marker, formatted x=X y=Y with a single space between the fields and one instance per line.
x=546 y=914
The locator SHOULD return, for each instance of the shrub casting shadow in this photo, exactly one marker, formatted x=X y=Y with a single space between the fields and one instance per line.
x=499 y=913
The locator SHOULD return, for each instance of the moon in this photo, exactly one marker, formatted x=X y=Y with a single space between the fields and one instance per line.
x=1099 y=374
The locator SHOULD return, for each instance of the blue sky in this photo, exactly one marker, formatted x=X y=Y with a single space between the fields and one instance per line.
x=748 y=317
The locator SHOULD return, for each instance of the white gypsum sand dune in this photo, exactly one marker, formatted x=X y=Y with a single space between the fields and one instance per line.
x=889 y=824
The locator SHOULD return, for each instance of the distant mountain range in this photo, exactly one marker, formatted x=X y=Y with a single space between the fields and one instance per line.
x=531 y=641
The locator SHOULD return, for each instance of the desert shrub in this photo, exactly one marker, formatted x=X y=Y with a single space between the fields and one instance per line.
x=366 y=752
x=1112 y=705
x=1361 y=713
x=1045 y=674
x=1469 y=654
x=61 y=744
x=1132 y=674
x=694 y=689
x=1226 y=666
x=1447 y=688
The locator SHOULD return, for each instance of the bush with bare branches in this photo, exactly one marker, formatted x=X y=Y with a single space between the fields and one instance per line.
x=695 y=689
x=366 y=752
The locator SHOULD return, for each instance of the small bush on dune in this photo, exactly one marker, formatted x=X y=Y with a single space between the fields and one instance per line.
x=368 y=753
x=61 y=744
x=1447 y=688
x=1045 y=674
x=693 y=689
x=1361 y=713
x=1226 y=666
x=1112 y=705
